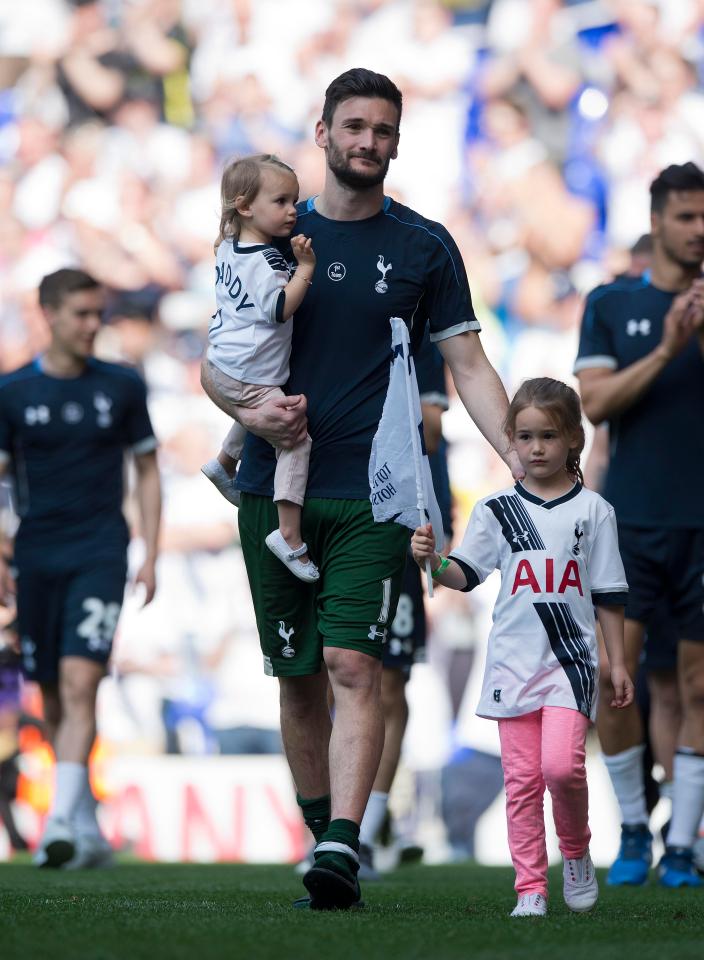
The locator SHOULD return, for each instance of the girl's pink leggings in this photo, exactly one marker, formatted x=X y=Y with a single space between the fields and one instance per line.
x=544 y=748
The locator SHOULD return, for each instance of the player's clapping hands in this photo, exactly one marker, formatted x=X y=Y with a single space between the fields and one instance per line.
x=695 y=312
x=693 y=318
x=685 y=317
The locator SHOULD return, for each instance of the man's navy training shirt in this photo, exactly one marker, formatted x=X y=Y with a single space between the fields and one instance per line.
x=66 y=439
x=657 y=445
x=395 y=263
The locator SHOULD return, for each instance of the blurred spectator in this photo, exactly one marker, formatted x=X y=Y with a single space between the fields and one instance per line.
x=144 y=55
x=535 y=229
x=537 y=64
x=10 y=686
x=430 y=62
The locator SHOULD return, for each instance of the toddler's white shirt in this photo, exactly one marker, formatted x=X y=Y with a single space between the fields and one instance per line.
x=248 y=337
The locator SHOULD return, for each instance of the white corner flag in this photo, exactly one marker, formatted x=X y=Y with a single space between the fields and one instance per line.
x=401 y=486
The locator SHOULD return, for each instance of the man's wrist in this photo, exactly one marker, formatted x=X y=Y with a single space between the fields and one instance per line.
x=662 y=354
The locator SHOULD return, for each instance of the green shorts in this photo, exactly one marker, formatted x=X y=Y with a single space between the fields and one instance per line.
x=361 y=569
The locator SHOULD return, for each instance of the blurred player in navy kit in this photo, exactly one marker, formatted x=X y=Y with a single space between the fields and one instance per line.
x=66 y=422
x=641 y=368
x=405 y=643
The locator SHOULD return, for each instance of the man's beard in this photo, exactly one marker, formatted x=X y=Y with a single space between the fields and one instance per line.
x=356 y=179
x=685 y=260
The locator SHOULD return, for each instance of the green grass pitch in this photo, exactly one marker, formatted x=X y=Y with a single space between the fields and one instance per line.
x=193 y=912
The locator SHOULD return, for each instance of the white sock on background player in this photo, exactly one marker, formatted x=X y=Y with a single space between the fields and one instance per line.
x=71 y=779
x=626 y=773
x=373 y=817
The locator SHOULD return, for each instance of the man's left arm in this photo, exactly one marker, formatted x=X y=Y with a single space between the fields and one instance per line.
x=148 y=494
x=481 y=391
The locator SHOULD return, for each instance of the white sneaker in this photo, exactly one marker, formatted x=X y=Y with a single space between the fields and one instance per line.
x=367 y=870
x=698 y=854
x=530 y=905
x=304 y=571
x=304 y=865
x=580 y=887
x=57 y=846
x=92 y=853
x=224 y=483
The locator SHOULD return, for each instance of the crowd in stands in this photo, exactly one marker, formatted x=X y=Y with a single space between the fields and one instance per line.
x=531 y=129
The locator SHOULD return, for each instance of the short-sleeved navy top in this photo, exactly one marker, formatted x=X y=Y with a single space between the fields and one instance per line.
x=395 y=263
x=65 y=438
x=657 y=445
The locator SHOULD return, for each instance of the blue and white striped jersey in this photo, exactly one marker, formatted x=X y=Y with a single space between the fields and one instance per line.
x=557 y=559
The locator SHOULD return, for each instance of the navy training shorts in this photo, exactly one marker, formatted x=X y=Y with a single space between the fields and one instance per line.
x=68 y=614
x=665 y=565
x=405 y=643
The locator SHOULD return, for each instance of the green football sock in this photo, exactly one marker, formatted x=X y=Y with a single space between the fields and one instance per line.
x=343 y=831
x=316 y=813
x=340 y=831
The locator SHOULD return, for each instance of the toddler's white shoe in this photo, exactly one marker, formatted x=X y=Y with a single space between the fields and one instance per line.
x=580 y=887
x=278 y=546
x=223 y=482
x=530 y=905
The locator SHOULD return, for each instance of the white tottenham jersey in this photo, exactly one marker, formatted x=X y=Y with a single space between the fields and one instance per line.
x=557 y=559
x=249 y=339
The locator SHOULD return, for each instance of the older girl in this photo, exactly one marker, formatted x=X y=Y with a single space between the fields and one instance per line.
x=556 y=546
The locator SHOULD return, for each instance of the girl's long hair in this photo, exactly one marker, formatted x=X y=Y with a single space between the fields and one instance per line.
x=561 y=404
x=242 y=178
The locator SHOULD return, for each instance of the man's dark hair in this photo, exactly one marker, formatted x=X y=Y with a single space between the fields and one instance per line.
x=676 y=177
x=643 y=245
x=359 y=82
x=55 y=286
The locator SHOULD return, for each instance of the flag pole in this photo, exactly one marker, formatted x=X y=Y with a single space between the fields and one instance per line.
x=415 y=442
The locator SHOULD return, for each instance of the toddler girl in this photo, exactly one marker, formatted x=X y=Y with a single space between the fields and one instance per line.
x=247 y=361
